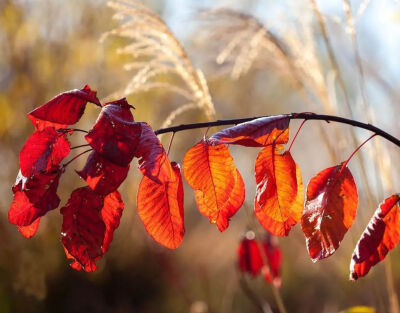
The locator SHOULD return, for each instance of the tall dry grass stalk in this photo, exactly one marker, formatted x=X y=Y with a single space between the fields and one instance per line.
x=156 y=51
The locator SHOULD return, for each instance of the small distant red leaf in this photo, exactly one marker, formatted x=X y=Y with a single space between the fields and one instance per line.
x=279 y=197
x=33 y=197
x=274 y=257
x=250 y=260
x=102 y=175
x=115 y=134
x=65 y=109
x=260 y=132
x=30 y=230
x=218 y=186
x=329 y=211
x=111 y=214
x=380 y=236
x=153 y=160
x=83 y=229
x=160 y=207
x=43 y=152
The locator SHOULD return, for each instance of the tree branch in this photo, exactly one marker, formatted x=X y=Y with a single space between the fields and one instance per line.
x=292 y=116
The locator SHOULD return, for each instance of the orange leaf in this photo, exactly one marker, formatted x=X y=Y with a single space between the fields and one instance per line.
x=381 y=235
x=160 y=207
x=210 y=171
x=30 y=230
x=256 y=133
x=330 y=209
x=221 y=217
x=279 y=197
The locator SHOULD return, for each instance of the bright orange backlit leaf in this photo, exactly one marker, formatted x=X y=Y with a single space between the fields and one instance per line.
x=256 y=133
x=221 y=217
x=329 y=211
x=218 y=186
x=381 y=235
x=160 y=207
x=279 y=197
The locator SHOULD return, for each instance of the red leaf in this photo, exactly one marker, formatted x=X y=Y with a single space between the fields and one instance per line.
x=33 y=197
x=115 y=134
x=256 y=133
x=153 y=161
x=43 y=152
x=30 y=230
x=274 y=257
x=280 y=195
x=218 y=186
x=102 y=175
x=160 y=207
x=329 y=211
x=65 y=109
x=252 y=261
x=83 y=229
x=89 y=221
x=380 y=236
x=111 y=214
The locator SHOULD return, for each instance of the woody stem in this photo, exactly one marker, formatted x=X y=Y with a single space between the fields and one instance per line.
x=292 y=116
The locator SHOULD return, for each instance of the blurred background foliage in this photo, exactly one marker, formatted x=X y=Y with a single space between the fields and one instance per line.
x=47 y=47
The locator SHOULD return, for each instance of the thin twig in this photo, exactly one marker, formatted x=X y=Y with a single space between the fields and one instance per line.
x=75 y=157
x=292 y=116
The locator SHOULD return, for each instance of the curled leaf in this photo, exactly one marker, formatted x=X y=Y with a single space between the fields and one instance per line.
x=380 y=236
x=279 y=197
x=329 y=211
x=102 y=175
x=115 y=134
x=218 y=186
x=33 y=197
x=153 y=160
x=65 y=109
x=260 y=132
x=160 y=207
x=43 y=152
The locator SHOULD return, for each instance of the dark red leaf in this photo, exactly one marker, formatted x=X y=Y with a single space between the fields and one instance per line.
x=260 y=132
x=111 y=214
x=115 y=134
x=30 y=230
x=83 y=229
x=33 y=197
x=329 y=211
x=380 y=236
x=89 y=221
x=160 y=207
x=102 y=175
x=153 y=161
x=65 y=109
x=43 y=152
